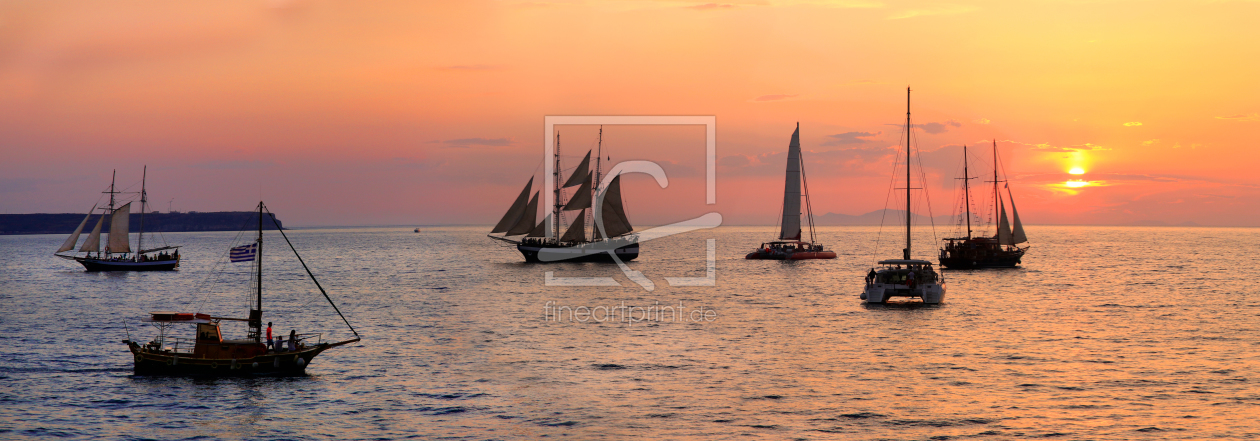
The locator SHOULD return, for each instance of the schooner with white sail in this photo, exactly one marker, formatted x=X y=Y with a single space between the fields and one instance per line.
x=118 y=254
x=602 y=208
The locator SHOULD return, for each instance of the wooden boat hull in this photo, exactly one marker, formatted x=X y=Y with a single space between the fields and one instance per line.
x=184 y=364
x=93 y=265
x=800 y=255
x=980 y=254
x=576 y=254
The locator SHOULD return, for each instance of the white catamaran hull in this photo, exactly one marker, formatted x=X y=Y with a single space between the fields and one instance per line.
x=929 y=293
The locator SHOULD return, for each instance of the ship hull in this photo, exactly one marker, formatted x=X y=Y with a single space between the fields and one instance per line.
x=802 y=255
x=164 y=363
x=980 y=254
x=545 y=253
x=94 y=265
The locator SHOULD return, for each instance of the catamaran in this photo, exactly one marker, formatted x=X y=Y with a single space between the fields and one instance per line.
x=790 y=246
x=905 y=277
x=209 y=354
x=118 y=255
x=998 y=251
x=543 y=242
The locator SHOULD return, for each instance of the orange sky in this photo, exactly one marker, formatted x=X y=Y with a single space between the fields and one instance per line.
x=360 y=113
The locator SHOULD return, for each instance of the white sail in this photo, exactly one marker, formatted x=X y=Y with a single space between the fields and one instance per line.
x=513 y=215
x=541 y=229
x=576 y=231
x=119 y=227
x=582 y=198
x=612 y=213
x=1018 y=236
x=791 y=226
x=580 y=175
x=93 y=242
x=74 y=237
x=1004 y=227
x=526 y=222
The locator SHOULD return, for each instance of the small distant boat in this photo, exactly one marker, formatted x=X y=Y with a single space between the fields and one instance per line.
x=210 y=354
x=998 y=251
x=543 y=241
x=905 y=277
x=417 y=230
x=118 y=255
x=790 y=246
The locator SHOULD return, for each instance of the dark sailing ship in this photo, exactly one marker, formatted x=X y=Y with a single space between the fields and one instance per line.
x=542 y=241
x=998 y=251
x=209 y=354
x=790 y=246
x=118 y=255
x=905 y=277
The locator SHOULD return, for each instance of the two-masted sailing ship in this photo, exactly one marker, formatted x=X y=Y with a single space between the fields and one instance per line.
x=208 y=353
x=905 y=277
x=118 y=254
x=598 y=229
x=1000 y=250
x=790 y=246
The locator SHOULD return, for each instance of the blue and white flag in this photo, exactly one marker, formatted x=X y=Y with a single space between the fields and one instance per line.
x=244 y=253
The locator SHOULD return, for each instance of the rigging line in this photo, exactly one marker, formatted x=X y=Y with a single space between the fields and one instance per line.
x=926 y=196
x=308 y=272
x=214 y=270
x=892 y=183
x=808 y=209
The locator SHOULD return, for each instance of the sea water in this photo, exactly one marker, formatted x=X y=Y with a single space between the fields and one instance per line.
x=1103 y=333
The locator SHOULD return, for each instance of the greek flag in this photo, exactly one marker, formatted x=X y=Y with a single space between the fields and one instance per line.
x=243 y=253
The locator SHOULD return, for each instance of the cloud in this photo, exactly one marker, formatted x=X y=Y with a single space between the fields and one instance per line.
x=934 y=10
x=1150 y=142
x=1132 y=124
x=709 y=6
x=850 y=138
x=1048 y=148
x=1241 y=117
x=773 y=97
x=981 y=121
x=233 y=165
x=470 y=68
x=934 y=127
x=468 y=142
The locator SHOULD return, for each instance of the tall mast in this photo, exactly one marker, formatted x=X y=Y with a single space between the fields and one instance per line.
x=906 y=252
x=555 y=213
x=599 y=153
x=256 y=322
x=144 y=198
x=110 y=211
x=995 y=190
x=967 y=191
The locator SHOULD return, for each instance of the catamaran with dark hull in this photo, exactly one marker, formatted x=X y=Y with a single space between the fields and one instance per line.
x=210 y=354
x=611 y=233
x=118 y=255
x=790 y=246
x=1001 y=250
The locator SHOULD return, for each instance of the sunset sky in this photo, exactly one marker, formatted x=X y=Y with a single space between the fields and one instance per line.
x=424 y=113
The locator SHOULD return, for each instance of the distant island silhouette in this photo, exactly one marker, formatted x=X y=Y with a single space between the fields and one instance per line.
x=65 y=223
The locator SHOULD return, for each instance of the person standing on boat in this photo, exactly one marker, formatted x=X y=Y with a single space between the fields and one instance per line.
x=292 y=339
x=870 y=277
x=269 y=342
x=910 y=279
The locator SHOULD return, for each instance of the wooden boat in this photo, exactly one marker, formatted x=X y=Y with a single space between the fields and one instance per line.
x=610 y=232
x=208 y=353
x=790 y=246
x=118 y=255
x=1001 y=250
x=905 y=277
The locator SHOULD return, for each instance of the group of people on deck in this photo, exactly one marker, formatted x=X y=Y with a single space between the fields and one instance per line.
x=908 y=277
x=279 y=344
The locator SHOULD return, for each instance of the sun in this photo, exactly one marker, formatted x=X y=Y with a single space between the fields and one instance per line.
x=1077 y=171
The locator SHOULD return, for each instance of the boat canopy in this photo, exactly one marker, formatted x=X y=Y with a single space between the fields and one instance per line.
x=177 y=317
x=904 y=262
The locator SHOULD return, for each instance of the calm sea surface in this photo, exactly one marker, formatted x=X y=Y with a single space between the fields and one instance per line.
x=1105 y=333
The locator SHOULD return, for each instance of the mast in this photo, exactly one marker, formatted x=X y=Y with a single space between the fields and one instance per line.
x=555 y=213
x=906 y=252
x=110 y=211
x=996 y=196
x=967 y=191
x=599 y=153
x=144 y=198
x=255 y=316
